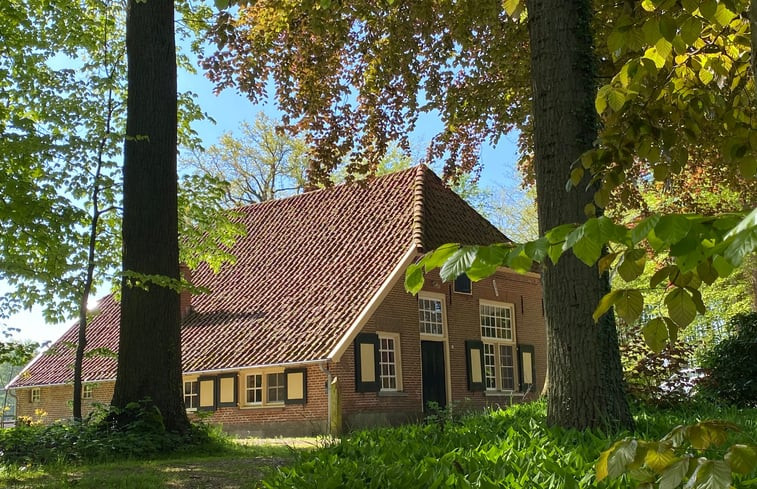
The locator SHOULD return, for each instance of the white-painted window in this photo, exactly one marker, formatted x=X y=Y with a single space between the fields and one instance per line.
x=431 y=316
x=35 y=395
x=191 y=394
x=253 y=389
x=87 y=391
x=498 y=335
x=389 y=361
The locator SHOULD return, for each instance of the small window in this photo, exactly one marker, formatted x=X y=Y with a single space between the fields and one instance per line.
x=389 y=362
x=276 y=390
x=431 y=316
x=87 y=391
x=35 y=395
x=253 y=389
x=191 y=394
x=463 y=284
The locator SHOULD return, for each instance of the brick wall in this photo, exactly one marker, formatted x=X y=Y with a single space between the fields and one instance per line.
x=57 y=401
x=399 y=314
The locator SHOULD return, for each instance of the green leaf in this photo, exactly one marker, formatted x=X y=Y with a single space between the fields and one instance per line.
x=659 y=457
x=632 y=263
x=654 y=56
x=655 y=334
x=659 y=276
x=519 y=261
x=629 y=305
x=458 y=263
x=707 y=272
x=711 y=474
x=668 y=27
x=722 y=266
x=742 y=458
x=691 y=29
x=642 y=229
x=414 y=278
x=600 y=102
x=681 y=308
x=537 y=250
x=437 y=257
x=606 y=261
x=614 y=461
x=616 y=98
x=672 y=228
x=723 y=16
x=708 y=8
x=556 y=237
x=673 y=475
x=605 y=304
x=513 y=8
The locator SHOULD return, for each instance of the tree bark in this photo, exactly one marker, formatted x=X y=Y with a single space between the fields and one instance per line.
x=585 y=376
x=149 y=357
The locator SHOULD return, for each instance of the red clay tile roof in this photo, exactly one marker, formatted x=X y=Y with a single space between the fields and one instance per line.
x=307 y=267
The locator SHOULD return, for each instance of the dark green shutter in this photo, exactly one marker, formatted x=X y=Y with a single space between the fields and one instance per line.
x=528 y=351
x=364 y=367
x=474 y=362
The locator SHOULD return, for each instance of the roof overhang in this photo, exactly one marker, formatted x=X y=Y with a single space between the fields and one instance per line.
x=396 y=273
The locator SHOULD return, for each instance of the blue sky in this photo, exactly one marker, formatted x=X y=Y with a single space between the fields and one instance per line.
x=229 y=109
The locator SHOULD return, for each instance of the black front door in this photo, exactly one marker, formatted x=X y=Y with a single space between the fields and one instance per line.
x=434 y=380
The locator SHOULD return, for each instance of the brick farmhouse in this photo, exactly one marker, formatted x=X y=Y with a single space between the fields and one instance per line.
x=311 y=330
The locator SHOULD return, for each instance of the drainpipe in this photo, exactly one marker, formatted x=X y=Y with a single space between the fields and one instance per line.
x=325 y=369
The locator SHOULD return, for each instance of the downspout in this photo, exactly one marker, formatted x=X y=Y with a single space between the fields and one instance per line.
x=325 y=369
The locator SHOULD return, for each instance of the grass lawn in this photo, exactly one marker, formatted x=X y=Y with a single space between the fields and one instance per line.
x=241 y=467
x=511 y=449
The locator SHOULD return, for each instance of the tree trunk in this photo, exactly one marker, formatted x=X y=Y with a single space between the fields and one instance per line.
x=149 y=358
x=585 y=377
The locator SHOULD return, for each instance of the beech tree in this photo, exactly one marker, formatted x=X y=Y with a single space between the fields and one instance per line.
x=149 y=359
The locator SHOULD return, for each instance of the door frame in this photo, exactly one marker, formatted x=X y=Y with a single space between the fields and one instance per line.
x=443 y=338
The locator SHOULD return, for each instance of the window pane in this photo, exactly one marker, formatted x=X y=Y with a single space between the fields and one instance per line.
x=388 y=367
x=490 y=369
x=191 y=399
x=506 y=366
x=496 y=322
x=254 y=389
x=430 y=314
x=275 y=387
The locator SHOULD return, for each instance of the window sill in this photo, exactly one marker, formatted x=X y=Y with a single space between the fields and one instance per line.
x=392 y=394
x=263 y=406
x=503 y=394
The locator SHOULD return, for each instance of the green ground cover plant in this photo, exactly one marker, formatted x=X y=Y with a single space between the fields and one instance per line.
x=511 y=449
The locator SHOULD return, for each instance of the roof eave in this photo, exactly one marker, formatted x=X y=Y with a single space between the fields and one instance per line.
x=407 y=259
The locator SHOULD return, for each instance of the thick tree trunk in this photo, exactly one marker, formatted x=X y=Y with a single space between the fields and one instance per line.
x=149 y=358
x=585 y=377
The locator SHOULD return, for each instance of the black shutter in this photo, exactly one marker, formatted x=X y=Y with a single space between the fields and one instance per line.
x=299 y=393
x=526 y=358
x=367 y=373
x=474 y=362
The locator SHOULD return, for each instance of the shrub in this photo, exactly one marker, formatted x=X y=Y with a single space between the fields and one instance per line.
x=731 y=365
x=658 y=379
x=97 y=440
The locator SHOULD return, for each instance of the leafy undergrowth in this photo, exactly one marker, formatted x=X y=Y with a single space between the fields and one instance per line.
x=503 y=449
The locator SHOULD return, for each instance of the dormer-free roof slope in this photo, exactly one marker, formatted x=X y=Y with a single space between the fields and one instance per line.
x=307 y=268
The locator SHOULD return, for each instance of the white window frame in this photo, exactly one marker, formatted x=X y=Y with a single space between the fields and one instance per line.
x=396 y=363
x=35 y=395
x=493 y=343
x=440 y=298
x=264 y=402
x=258 y=387
x=195 y=395
x=87 y=391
